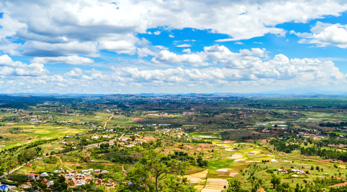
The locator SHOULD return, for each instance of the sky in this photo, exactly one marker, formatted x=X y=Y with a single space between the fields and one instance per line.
x=173 y=46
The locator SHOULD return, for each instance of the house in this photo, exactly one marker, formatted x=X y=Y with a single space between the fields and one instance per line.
x=26 y=186
x=95 y=137
x=104 y=172
x=282 y=171
x=97 y=171
x=109 y=184
x=44 y=174
x=80 y=176
x=31 y=176
x=99 y=182
x=50 y=183
x=266 y=131
x=80 y=183
x=299 y=171
x=73 y=183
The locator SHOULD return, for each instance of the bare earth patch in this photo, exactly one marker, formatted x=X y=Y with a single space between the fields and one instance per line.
x=200 y=176
x=236 y=156
x=215 y=185
x=339 y=185
x=238 y=160
x=229 y=149
x=188 y=146
x=224 y=170
x=233 y=174
x=137 y=119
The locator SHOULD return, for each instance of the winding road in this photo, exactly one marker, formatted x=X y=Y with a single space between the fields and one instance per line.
x=108 y=119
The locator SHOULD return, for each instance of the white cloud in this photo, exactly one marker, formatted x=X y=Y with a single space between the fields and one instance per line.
x=144 y=52
x=186 y=51
x=121 y=46
x=36 y=48
x=184 y=45
x=156 y=32
x=253 y=64
x=75 y=73
x=324 y=34
x=73 y=60
x=71 y=27
x=8 y=67
x=166 y=56
x=270 y=73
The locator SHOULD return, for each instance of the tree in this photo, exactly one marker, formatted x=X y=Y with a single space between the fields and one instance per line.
x=275 y=181
x=235 y=186
x=133 y=137
x=177 y=184
x=152 y=170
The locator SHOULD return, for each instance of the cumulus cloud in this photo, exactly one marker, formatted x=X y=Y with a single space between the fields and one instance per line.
x=71 y=27
x=73 y=60
x=279 y=71
x=324 y=34
x=246 y=65
x=71 y=31
x=8 y=67
x=75 y=73
x=184 y=45
x=278 y=68
x=37 y=48
x=166 y=56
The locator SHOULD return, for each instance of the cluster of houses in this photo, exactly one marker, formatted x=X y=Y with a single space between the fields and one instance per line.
x=296 y=171
x=73 y=177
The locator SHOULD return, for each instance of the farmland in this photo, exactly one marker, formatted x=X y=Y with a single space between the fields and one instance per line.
x=220 y=143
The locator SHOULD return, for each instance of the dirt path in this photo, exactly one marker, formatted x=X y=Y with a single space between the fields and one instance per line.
x=108 y=119
x=61 y=161
x=339 y=185
x=13 y=170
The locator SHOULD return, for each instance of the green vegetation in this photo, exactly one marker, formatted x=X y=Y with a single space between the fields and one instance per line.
x=174 y=143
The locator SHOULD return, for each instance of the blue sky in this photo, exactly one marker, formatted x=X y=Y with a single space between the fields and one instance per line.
x=178 y=46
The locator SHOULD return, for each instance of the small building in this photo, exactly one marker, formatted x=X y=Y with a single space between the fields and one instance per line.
x=104 y=172
x=282 y=171
x=109 y=184
x=99 y=182
x=97 y=171
x=44 y=174
x=299 y=171
x=80 y=183
x=273 y=161
x=95 y=137
x=31 y=176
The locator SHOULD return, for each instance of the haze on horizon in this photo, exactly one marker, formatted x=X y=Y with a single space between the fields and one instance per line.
x=178 y=46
